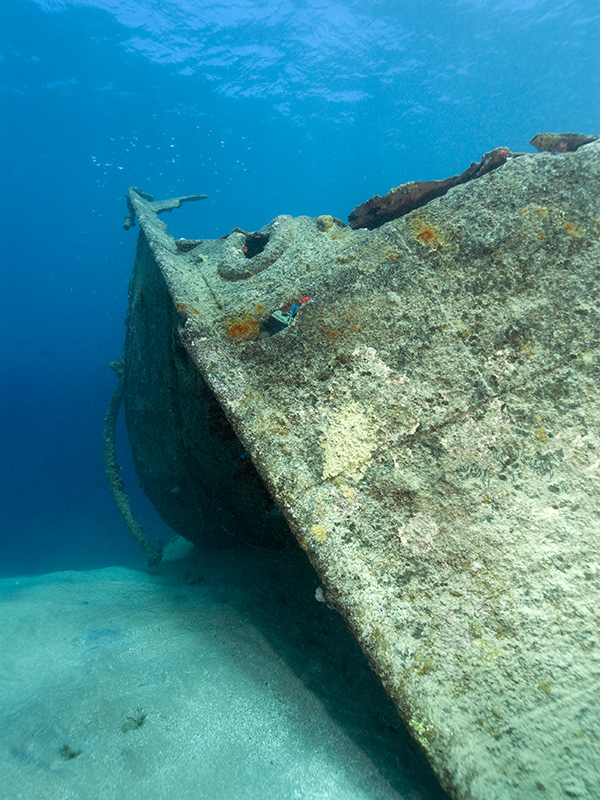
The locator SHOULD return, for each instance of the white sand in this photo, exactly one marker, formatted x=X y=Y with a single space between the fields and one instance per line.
x=248 y=688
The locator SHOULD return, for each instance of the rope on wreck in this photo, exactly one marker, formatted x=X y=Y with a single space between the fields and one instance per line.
x=112 y=468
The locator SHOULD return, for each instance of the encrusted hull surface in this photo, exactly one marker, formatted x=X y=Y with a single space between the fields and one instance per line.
x=428 y=426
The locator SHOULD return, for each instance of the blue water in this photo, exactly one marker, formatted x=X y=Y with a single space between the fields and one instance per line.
x=297 y=107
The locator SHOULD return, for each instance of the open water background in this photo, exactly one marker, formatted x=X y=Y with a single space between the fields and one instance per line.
x=269 y=107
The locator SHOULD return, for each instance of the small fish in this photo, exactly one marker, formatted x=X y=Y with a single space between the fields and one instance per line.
x=282 y=318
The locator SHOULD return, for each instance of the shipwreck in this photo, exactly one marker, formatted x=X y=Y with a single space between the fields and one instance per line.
x=415 y=399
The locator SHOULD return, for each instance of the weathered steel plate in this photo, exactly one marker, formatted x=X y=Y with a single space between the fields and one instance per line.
x=429 y=427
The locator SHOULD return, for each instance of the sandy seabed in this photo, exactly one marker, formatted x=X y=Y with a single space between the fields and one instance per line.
x=217 y=675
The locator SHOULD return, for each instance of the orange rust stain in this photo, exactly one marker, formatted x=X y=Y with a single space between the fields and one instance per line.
x=180 y=306
x=245 y=327
x=427 y=235
x=542 y=236
x=576 y=230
